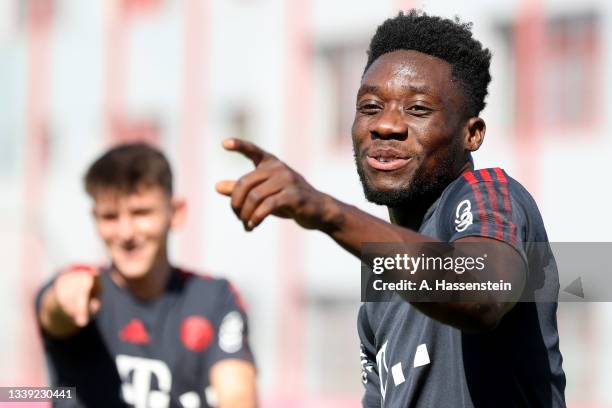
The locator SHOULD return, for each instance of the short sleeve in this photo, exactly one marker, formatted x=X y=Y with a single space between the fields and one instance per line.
x=230 y=327
x=481 y=204
x=367 y=355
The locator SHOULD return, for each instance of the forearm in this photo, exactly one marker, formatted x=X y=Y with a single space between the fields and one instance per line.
x=234 y=382
x=273 y=188
x=351 y=228
x=246 y=400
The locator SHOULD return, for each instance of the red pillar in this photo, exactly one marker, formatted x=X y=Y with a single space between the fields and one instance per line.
x=193 y=133
x=118 y=126
x=39 y=24
x=297 y=152
x=529 y=50
x=115 y=69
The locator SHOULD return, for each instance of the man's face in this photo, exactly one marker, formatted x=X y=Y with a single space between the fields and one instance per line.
x=134 y=227
x=407 y=128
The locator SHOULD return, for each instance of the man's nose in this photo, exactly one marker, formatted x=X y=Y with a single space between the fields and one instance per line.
x=390 y=124
x=126 y=227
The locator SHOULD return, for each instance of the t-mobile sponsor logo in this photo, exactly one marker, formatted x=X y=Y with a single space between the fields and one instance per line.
x=137 y=376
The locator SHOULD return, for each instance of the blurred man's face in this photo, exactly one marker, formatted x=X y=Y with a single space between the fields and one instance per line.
x=407 y=128
x=134 y=228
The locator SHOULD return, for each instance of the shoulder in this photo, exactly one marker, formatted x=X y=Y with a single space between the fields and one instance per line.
x=488 y=202
x=474 y=180
x=484 y=184
x=199 y=280
x=207 y=288
x=490 y=189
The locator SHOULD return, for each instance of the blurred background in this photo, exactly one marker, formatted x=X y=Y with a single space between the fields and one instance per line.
x=79 y=76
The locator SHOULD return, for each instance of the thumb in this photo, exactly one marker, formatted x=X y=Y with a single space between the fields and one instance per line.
x=96 y=285
x=225 y=187
x=93 y=299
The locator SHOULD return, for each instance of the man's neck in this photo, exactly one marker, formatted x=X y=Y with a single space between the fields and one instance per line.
x=151 y=285
x=409 y=216
x=412 y=214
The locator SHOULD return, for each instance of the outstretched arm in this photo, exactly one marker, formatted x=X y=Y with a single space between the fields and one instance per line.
x=273 y=188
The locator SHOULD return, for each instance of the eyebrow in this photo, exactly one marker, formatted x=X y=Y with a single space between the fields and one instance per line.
x=417 y=89
x=365 y=88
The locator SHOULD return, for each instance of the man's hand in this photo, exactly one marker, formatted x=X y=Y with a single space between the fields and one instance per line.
x=273 y=188
x=69 y=303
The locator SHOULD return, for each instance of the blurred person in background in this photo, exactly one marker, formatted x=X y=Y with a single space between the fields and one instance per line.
x=415 y=128
x=141 y=332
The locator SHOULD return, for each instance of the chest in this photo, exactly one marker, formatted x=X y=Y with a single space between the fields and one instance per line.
x=159 y=348
x=411 y=350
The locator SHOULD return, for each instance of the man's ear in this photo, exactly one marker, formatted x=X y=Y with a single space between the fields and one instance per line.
x=179 y=212
x=474 y=133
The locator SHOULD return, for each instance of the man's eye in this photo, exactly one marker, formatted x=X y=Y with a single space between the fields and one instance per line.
x=418 y=109
x=142 y=211
x=369 y=108
x=108 y=216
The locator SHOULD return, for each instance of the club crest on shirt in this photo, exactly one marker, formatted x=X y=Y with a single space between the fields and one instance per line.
x=463 y=216
x=196 y=333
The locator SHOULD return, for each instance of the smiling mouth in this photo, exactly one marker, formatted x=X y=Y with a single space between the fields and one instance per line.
x=131 y=251
x=387 y=163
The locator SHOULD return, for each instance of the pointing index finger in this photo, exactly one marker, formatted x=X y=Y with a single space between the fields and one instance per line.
x=248 y=149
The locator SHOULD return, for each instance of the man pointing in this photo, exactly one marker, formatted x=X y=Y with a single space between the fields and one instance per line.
x=141 y=332
x=416 y=124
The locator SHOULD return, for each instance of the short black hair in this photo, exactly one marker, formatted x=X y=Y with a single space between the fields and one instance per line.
x=449 y=40
x=128 y=167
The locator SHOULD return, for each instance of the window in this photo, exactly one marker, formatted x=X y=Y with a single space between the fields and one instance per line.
x=343 y=65
x=555 y=73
